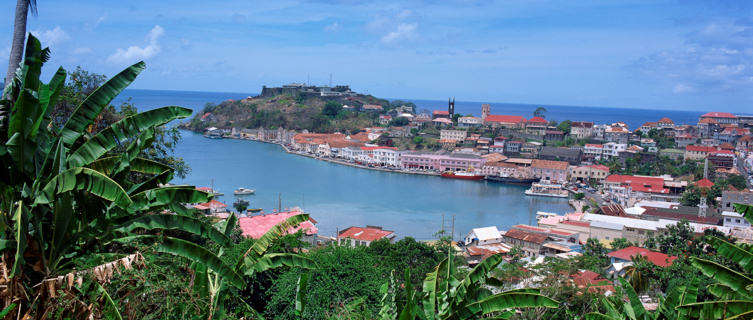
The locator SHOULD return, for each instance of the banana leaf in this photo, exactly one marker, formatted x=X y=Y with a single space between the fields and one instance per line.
x=729 y=309
x=300 y=294
x=20 y=224
x=83 y=179
x=515 y=300
x=728 y=277
x=430 y=287
x=738 y=255
x=128 y=127
x=276 y=260
x=175 y=222
x=92 y=106
x=260 y=246
x=165 y=196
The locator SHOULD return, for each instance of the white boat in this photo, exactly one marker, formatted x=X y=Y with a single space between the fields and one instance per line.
x=546 y=190
x=241 y=191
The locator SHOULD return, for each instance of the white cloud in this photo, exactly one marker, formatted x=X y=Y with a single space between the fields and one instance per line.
x=404 y=31
x=682 y=88
x=135 y=53
x=51 y=38
x=80 y=51
x=333 y=27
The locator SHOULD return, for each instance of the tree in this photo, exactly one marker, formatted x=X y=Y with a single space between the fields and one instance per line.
x=418 y=140
x=565 y=126
x=240 y=206
x=621 y=243
x=399 y=122
x=19 y=32
x=540 y=112
x=331 y=108
x=737 y=181
x=579 y=196
x=69 y=198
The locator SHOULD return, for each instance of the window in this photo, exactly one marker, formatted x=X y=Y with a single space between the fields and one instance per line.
x=737 y=220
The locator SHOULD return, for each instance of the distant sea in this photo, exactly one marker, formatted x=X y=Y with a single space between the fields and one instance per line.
x=634 y=118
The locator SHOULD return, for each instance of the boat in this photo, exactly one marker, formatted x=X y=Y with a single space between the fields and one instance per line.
x=544 y=189
x=254 y=210
x=464 y=175
x=242 y=191
x=510 y=180
x=240 y=201
x=211 y=191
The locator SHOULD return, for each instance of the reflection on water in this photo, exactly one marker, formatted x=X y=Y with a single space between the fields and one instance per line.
x=339 y=196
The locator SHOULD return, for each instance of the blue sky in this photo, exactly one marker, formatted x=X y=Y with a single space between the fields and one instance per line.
x=684 y=55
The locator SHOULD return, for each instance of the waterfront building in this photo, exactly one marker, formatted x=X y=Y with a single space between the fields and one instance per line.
x=554 y=171
x=440 y=161
x=452 y=135
x=536 y=126
x=482 y=236
x=358 y=236
x=256 y=226
x=625 y=187
x=587 y=173
x=581 y=129
x=380 y=156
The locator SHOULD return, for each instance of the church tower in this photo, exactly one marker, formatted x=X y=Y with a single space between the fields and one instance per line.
x=451 y=107
x=485 y=110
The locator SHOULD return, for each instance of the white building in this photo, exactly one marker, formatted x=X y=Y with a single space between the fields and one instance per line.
x=733 y=219
x=454 y=135
x=481 y=236
x=468 y=122
x=593 y=151
x=613 y=149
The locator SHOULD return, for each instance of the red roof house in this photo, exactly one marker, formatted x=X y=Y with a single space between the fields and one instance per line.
x=627 y=254
x=256 y=226
x=639 y=184
x=704 y=183
x=356 y=236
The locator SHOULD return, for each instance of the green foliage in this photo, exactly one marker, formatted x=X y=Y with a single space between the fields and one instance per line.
x=540 y=112
x=399 y=122
x=579 y=196
x=331 y=108
x=565 y=126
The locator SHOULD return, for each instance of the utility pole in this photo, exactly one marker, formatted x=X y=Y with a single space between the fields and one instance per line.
x=279 y=202
x=452 y=237
x=442 y=230
x=330 y=80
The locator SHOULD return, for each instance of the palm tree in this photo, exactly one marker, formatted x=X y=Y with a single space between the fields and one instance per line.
x=19 y=32
x=540 y=112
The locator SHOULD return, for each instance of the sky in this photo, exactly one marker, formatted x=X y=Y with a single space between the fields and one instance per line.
x=653 y=54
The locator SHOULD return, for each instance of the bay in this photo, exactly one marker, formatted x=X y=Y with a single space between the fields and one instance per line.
x=338 y=196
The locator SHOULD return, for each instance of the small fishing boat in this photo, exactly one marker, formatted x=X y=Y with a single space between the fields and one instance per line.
x=242 y=191
x=241 y=202
x=254 y=210
x=544 y=189
x=211 y=191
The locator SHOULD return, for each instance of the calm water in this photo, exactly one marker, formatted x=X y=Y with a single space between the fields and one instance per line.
x=340 y=196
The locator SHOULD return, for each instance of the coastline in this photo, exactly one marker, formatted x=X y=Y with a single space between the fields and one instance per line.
x=334 y=160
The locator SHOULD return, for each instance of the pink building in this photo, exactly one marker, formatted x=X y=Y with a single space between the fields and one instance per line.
x=256 y=226
x=441 y=162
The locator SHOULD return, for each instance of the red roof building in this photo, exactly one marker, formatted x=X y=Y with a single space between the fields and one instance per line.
x=256 y=226
x=537 y=120
x=358 y=236
x=704 y=183
x=591 y=281
x=718 y=115
x=507 y=121
x=638 y=184
x=627 y=254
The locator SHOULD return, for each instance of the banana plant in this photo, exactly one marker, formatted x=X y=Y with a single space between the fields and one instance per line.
x=446 y=296
x=212 y=284
x=632 y=309
x=734 y=289
x=69 y=196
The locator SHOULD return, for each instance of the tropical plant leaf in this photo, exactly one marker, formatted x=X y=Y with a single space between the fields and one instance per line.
x=111 y=308
x=738 y=255
x=20 y=224
x=746 y=210
x=599 y=316
x=728 y=277
x=154 y=198
x=514 y=300
x=84 y=179
x=276 y=260
x=728 y=308
x=121 y=131
x=7 y=310
x=430 y=288
x=635 y=302
x=48 y=95
x=260 y=246
x=175 y=222
x=92 y=106
x=199 y=254
x=300 y=294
